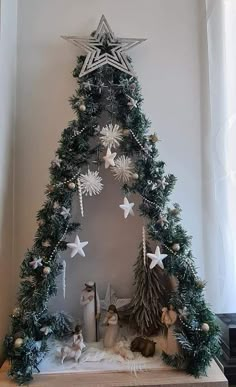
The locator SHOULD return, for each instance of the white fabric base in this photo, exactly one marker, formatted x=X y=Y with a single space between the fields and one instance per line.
x=95 y=359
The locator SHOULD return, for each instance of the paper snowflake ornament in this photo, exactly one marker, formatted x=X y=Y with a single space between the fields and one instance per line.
x=123 y=169
x=111 y=136
x=156 y=258
x=127 y=207
x=77 y=247
x=109 y=158
x=65 y=212
x=103 y=48
x=37 y=262
x=91 y=183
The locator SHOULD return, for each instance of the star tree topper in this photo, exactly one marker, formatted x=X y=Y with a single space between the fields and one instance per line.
x=104 y=48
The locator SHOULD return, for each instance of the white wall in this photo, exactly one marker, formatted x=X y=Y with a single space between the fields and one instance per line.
x=8 y=27
x=169 y=72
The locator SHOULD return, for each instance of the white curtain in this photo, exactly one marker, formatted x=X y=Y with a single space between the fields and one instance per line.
x=219 y=154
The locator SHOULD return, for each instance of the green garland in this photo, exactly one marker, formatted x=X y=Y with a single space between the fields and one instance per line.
x=31 y=315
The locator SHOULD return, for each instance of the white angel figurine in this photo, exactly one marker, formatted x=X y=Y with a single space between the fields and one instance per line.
x=112 y=327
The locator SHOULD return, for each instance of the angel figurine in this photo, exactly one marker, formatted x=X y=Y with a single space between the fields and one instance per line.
x=112 y=327
x=169 y=343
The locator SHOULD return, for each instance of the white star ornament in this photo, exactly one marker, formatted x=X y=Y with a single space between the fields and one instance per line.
x=156 y=258
x=127 y=207
x=77 y=247
x=65 y=212
x=109 y=158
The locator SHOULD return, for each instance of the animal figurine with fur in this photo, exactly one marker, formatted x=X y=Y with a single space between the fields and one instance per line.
x=143 y=345
x=74 y=351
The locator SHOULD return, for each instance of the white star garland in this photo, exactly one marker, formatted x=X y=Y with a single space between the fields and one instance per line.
x=111 y=136
x=91 y=183
x=123 y=169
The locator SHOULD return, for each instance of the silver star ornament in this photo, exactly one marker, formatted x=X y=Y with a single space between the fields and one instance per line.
x=103 y=48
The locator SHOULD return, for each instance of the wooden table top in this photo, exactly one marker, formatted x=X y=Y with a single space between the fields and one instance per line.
x=163 y=377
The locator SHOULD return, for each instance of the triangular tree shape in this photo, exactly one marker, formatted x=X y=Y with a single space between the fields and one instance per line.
x=117 y=93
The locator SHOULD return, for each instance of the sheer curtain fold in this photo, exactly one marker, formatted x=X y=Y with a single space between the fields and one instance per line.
x=219 y=154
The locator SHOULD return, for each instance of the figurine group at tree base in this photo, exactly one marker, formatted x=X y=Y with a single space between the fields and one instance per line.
x=112 y=339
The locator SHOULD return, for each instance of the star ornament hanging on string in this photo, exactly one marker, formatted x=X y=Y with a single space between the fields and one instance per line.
x=103 y=48
x=77 y=247
x=156 y=258
x=127 y=207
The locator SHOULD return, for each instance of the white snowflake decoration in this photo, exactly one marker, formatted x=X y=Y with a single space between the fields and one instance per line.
x=111 y=136
x=123 y=169
x=91 y=183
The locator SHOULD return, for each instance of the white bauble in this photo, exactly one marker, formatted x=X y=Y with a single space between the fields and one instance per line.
x=176 y=247
x=46 y=270
x=82 y=108
x=71 y=185
x=18 y=342
x=205 y=327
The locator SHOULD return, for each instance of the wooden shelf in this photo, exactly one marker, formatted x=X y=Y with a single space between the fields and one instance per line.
x=167 y=377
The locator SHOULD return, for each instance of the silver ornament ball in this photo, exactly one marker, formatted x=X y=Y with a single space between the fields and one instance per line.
x=176 y=247
x=135 y=176
x=82 y=108
x=18 y=342
x=46 y=270
x=71 y=185
x=205 y=327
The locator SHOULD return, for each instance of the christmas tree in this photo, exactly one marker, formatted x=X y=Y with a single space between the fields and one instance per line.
x=107 y=87
x=150 y=296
